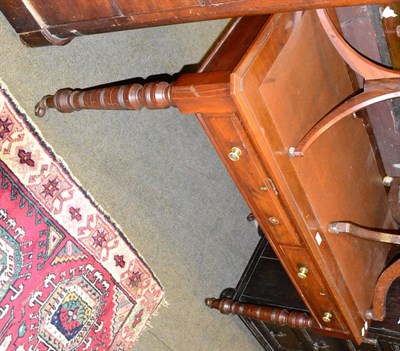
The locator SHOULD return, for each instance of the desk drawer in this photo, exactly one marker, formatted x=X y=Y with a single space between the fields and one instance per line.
x=239 y=156
x=315 y=294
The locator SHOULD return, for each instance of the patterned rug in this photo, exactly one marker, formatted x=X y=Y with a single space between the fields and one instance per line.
x=69 y=279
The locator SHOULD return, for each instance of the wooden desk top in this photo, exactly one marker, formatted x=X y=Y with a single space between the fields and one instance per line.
x=287 y=79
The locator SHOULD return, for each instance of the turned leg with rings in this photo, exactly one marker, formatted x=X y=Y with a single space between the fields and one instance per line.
x=191 y=93
x=124 y=97
x=273 y=315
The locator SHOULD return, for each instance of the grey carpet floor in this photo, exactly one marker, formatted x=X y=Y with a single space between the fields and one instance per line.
x=154 y=172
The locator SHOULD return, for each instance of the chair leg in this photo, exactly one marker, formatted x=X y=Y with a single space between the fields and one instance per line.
x=381 y=290
x=374 y=91
x=381 y=84
x=360 y=64
x=391 y=273
x=154 y=95
x=367 y=234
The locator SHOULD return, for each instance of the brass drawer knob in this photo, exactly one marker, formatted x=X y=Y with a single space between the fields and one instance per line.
x=302 y=273
x=235 y=153
x=273 y=220
x=327 y=317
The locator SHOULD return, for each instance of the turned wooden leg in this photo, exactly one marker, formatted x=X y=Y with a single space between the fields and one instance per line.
x=191 y=93
x=360 y=232
x=273 y=315
x=374 y=91
x=122 y=97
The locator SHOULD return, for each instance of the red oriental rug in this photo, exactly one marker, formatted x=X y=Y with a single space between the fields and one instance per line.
x=69 y=279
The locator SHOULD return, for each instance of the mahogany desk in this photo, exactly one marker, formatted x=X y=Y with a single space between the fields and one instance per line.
x=44 y=22
x=263 y=86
